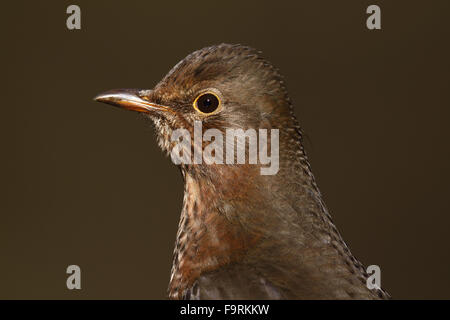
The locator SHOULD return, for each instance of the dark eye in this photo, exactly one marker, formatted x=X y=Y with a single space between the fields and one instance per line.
x=207 y=103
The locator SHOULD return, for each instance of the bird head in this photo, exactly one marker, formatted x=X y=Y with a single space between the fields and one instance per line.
x=221 y=87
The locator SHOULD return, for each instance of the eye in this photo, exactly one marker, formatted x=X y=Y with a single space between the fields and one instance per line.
x=207 y=103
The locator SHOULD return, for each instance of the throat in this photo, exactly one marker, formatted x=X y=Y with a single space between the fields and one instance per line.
x=208 y=236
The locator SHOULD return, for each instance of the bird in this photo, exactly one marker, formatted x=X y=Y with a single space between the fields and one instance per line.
x=243 y=234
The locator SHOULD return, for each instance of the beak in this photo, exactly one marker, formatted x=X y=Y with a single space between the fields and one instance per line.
x=129 y=99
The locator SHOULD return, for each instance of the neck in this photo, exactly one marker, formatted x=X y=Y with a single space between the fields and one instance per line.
x=226 y=220
x=209 y=234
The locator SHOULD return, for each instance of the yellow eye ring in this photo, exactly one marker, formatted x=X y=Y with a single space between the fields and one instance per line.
x=207 y=103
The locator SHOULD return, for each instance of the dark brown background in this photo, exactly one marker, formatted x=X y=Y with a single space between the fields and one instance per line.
x=85 y=184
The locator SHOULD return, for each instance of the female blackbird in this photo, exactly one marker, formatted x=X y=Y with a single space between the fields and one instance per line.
x=243 y=234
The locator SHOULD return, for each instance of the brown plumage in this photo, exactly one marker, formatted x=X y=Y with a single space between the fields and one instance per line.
x=243 y=235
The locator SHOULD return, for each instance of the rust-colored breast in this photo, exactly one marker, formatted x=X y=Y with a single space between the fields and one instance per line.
x=207 y=239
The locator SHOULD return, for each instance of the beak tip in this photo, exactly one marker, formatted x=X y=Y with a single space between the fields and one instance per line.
x=99 y=97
